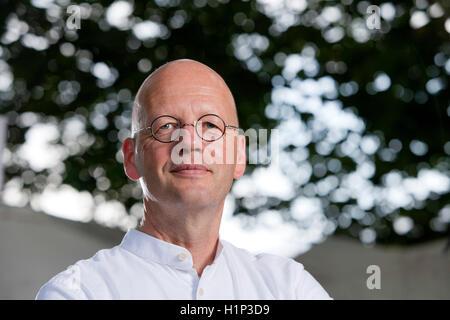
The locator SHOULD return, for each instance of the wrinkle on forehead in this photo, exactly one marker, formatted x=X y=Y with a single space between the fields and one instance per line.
x=186 y=77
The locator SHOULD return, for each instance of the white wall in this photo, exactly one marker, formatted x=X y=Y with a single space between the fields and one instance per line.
x=34 y=247
x=414 y=272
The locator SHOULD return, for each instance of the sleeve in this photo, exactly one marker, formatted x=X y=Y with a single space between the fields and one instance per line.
x=309 y=289
x=64 y=286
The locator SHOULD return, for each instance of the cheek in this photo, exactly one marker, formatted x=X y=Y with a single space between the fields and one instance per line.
x=221 y=152
x=152 y=157
x=230 y=148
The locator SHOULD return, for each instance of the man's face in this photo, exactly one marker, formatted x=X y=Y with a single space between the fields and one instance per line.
x=186 y=96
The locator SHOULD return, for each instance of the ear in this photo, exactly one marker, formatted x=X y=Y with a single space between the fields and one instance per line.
x=128 y=159
x=241 y=158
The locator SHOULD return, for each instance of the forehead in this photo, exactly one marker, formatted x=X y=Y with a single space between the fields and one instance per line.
x=185 y=100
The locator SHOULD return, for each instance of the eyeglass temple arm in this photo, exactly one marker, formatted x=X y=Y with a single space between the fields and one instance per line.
x=230 y=126
x=139 y=130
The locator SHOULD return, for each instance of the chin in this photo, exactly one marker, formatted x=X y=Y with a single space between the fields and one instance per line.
x=184 y=202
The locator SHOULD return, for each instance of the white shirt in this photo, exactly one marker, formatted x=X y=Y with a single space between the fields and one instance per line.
x=144 y=267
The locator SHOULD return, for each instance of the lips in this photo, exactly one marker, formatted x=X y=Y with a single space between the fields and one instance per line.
x=190 y=169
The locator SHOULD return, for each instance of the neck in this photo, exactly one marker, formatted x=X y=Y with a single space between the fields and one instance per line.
x=196 y=229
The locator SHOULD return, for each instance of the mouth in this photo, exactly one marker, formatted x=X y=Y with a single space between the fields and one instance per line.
x=190 y=170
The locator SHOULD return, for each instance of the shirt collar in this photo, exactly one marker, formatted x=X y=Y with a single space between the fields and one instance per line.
x=152 y=249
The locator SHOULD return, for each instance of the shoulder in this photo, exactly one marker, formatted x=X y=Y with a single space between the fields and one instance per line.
x=290 y=277
x=75 y=281
x=63 y=286
x=264 y=260
x=301 y=282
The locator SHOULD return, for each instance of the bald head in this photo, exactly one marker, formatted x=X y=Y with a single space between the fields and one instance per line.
x=175 y=80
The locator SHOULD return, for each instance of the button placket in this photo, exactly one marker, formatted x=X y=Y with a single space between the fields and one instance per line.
x=204 y=278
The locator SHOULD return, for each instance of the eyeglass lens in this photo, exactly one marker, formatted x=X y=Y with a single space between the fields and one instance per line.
x=208 y=127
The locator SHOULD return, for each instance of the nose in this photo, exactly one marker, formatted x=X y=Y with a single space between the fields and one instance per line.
x=187 y=133
x=189 y=139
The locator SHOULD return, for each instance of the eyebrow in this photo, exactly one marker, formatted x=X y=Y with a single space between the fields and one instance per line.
x=178 y=118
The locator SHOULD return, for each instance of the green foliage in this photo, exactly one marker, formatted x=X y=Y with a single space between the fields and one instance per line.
x=58 y=84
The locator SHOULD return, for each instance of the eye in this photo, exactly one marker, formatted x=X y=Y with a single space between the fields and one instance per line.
x=166 y=126
x=210 y=125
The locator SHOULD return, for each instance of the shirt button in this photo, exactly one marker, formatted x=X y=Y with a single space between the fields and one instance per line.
x=200 y=291
x=182 y=256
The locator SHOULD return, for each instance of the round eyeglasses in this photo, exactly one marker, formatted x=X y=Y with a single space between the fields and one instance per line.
x=209 y=127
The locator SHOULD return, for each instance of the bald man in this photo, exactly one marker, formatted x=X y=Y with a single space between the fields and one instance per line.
x=185 y=132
